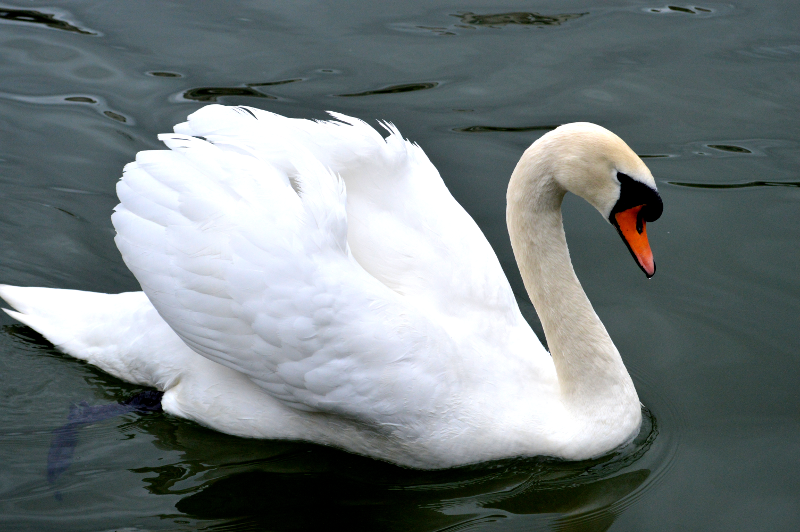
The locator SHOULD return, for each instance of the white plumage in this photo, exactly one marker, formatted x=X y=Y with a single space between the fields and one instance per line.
x=315 y=281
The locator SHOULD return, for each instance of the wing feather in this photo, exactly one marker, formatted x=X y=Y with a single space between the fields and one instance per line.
x=436 y=255
x=251 y=267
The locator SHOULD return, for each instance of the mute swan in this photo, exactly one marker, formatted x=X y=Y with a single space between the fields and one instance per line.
x=375 y=317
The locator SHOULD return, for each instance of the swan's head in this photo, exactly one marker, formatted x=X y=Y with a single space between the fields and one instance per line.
x=592 y=162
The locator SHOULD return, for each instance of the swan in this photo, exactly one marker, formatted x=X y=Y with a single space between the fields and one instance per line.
x=313 y=280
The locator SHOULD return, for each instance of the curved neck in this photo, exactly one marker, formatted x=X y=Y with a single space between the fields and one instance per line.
x=590 y=371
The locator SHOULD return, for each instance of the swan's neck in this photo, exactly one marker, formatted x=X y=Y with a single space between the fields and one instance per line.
x=591 y=375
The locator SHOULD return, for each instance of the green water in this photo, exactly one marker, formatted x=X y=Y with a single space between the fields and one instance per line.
x=708 y=92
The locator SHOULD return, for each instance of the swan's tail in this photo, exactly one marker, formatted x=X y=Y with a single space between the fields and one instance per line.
x=50 y=312
x=119 y=333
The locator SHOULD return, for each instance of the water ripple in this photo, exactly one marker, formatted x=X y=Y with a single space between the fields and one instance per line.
x=98 y=103
x=485 y=129
x=749 y=184
x=159 y=74
x=210 y=94
x=56 y=20
x=473 y=21
x=682 y=10
x=393 y=89
x=737 y=147
x=498 y=20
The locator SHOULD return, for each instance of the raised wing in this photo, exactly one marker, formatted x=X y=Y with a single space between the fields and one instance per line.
x=404 y=226
x=247 y=259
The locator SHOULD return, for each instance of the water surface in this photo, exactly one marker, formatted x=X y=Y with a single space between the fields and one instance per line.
x=707 y=92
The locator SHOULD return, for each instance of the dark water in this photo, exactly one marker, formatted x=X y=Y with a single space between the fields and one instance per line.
x=709 y=92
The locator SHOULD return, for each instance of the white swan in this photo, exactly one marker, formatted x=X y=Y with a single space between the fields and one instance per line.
x=276 y=305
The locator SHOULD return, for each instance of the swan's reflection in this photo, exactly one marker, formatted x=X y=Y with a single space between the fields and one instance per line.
x=297 y=501
x=242 y=484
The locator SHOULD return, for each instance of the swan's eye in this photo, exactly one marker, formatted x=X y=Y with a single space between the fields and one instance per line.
x=633 y=193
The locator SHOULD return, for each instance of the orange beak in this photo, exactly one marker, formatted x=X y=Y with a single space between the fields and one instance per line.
x=633 y=230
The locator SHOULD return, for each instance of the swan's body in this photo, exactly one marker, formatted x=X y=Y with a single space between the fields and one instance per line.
x=276 y=305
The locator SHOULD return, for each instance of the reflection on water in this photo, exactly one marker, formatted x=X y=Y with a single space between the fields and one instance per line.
x=692 y=10
x=292 y=486
x=732 y=149
x=520 y=18
x=708 y=92
x=115 y=116
x=96 y=102
x=164 y=74
x=738 y=185
x=210 y=94
x=484 y=129
x=80 y=99
x=55 y=20
x=299 y=501
x=473 y=21
x=65 y=438
x=394 y=89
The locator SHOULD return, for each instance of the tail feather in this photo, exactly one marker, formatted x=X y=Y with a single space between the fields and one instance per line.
x=45 y=310
x=118 y=333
